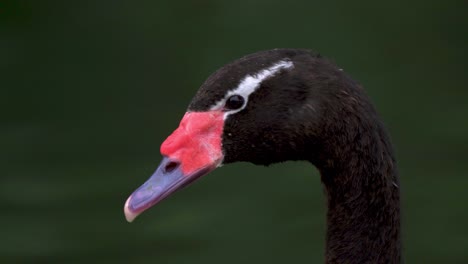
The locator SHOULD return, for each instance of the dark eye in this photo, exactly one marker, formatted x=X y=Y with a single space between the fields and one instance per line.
x=234 y=102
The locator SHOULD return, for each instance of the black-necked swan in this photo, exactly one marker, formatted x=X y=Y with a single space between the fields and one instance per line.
x=292 y=104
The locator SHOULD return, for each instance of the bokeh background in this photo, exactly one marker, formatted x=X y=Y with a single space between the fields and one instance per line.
x=89 y=90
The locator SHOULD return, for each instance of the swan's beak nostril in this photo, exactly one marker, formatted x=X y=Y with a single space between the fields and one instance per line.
x=171 y=166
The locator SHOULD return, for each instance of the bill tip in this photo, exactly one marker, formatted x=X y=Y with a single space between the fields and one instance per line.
x=129 y=215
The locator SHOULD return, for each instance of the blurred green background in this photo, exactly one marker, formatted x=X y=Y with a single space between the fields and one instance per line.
x=89 y=90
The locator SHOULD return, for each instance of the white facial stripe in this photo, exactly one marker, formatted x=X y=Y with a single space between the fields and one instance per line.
x=250 y=84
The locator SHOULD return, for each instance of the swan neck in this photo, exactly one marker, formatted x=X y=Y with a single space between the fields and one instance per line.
x=363 y=195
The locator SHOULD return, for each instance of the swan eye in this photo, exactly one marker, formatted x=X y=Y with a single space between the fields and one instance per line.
x=234 y=102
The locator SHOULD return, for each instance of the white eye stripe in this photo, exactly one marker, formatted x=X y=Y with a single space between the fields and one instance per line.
x=250 y=84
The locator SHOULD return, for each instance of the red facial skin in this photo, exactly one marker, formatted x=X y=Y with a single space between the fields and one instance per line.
x=196 y=143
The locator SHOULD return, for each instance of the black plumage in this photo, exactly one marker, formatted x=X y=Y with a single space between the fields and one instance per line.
x=316 y=112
